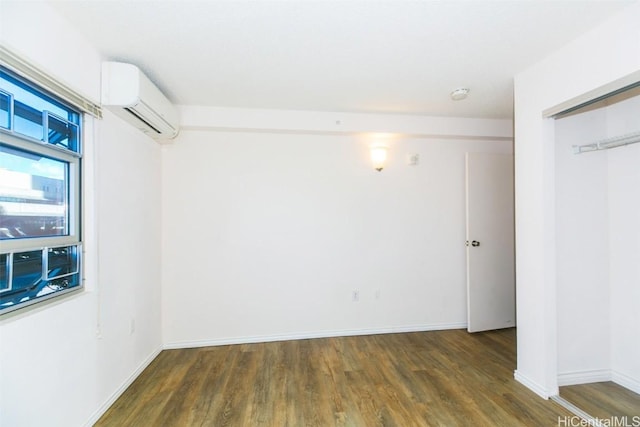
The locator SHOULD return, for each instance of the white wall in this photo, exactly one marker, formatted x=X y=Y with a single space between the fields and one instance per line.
x=266 y=234
x=582 y=248
x=61 y=364
x=608 y=52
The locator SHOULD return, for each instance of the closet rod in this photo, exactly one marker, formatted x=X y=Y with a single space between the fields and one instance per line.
x=605 y=144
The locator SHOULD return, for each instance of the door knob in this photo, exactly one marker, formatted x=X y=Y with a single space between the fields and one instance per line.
x=475 y=243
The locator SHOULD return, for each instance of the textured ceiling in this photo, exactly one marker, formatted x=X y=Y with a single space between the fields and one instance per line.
x=358 y=56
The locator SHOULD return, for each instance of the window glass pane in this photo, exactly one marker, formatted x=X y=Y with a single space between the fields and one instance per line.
x=62 y=133
x=27 y=269
x=27 y=278
x=60 y=284
x=30 y=107
x=28 y=283
x=27 y=121
x=34 y=196
x=4 y=110
x=62 y=261
x=27 y=96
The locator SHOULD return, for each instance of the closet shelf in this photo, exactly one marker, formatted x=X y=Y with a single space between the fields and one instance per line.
x=605 y=144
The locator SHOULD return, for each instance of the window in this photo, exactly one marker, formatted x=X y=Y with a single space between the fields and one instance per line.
x=40 y=161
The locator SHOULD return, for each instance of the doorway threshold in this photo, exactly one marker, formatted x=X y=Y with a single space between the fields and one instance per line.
x=591 y=421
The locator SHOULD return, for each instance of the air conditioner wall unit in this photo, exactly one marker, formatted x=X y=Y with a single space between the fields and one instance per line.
x=132 y=96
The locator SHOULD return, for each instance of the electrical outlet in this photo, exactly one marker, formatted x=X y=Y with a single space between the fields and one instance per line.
x=355 y=296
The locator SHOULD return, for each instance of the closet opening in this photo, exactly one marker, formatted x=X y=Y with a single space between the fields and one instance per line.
x=597 y=227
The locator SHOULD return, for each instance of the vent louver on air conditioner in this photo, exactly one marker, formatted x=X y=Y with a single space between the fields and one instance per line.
x=132 y=96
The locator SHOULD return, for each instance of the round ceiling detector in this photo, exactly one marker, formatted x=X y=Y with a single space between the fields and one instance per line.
x=459 y=94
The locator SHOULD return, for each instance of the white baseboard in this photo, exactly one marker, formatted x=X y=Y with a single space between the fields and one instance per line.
x=584 y=377
x=533 y=386
x=626 y=381
x=308 y=335
x=599 y=375
x=116 y=394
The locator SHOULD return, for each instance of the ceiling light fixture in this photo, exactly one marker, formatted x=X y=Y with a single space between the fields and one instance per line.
x=459 y=94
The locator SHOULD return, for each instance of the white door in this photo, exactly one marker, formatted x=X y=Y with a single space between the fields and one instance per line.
x=490 y=242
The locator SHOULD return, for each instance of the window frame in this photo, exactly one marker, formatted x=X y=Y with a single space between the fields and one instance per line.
x=74 y=192
x=73 y=159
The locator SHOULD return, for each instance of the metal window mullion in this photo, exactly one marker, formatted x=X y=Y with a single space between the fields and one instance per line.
x=48 y=279
x=9 y=269
x=45 y=126
x=10 y=108
x=37 y=243
x=73 y=207
x=45 y=263
x=35 y=146
x=12 y=111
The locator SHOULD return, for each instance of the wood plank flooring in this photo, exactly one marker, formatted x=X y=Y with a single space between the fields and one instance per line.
x=604 y=400
x=439 y=378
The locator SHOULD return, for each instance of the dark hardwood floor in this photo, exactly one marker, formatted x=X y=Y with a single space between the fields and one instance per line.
x=604 y=400
x=440 y=378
